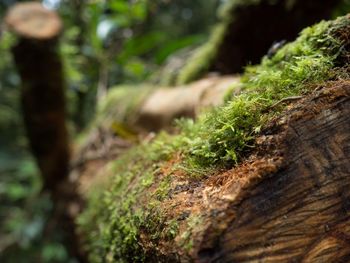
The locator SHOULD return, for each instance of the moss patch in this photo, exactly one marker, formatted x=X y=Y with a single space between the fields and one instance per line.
x=202 y=57
x=223 y=135
x=124 y=220
x=116 y=218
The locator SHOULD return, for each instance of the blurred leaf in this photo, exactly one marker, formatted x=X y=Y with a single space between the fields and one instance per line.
x=16 y=191
x=139 y=10
x=119 y=6
x=138 y=46
x=135 y=68
x=54 y=252
x=175 y=45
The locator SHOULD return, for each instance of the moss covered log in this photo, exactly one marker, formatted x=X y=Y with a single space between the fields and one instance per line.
x=247 y=31
x=264 y=177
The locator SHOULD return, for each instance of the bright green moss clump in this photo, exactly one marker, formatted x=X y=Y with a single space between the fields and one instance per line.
x=115 y=214
x=223 y=135
x=118 y=214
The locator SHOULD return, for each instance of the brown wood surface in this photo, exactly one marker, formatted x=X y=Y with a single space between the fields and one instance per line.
x=288 y=201
x=300 y=213
x=32 y=20
x=42 y=92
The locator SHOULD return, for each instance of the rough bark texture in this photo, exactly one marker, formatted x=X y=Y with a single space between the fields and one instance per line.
x=43 y=100
x=288 y=202
x=301 y=212
x=39 y=65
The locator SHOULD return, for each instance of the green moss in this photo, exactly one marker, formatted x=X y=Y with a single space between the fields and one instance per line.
x=114 y=218
x=223 y=135
x=202 y=57
x=122 y=103
x=343 y=8
x=192 y=222
x=116 y=215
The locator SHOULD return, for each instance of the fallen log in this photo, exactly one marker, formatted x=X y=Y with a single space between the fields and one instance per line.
x=263 y=178
x=288 y=201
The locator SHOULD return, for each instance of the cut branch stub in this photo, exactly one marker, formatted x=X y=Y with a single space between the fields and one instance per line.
x=42 y=95
x=32 y=20
x=38 y=62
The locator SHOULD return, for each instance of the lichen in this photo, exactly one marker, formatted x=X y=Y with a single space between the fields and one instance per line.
x=121 y=213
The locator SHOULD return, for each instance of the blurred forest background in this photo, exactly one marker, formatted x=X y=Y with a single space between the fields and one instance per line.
x=104 y=43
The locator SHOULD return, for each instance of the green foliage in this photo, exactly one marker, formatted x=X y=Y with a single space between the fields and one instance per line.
x=24 y=212
x=200 y=62
x=106 y=43
x=10 y=119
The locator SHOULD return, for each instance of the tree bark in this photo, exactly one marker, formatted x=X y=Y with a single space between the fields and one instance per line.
x=43 y=99
x=301 y=212
x=288 y=202
x=43 y=105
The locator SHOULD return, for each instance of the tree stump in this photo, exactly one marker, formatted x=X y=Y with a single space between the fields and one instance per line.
x=43 y=99
x=39 y=65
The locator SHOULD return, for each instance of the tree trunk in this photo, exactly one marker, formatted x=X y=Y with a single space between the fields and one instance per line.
x=43 y=100
x=43 y=104
x=246 y=40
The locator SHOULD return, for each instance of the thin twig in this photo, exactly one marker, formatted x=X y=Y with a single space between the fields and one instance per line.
x=288 y=99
